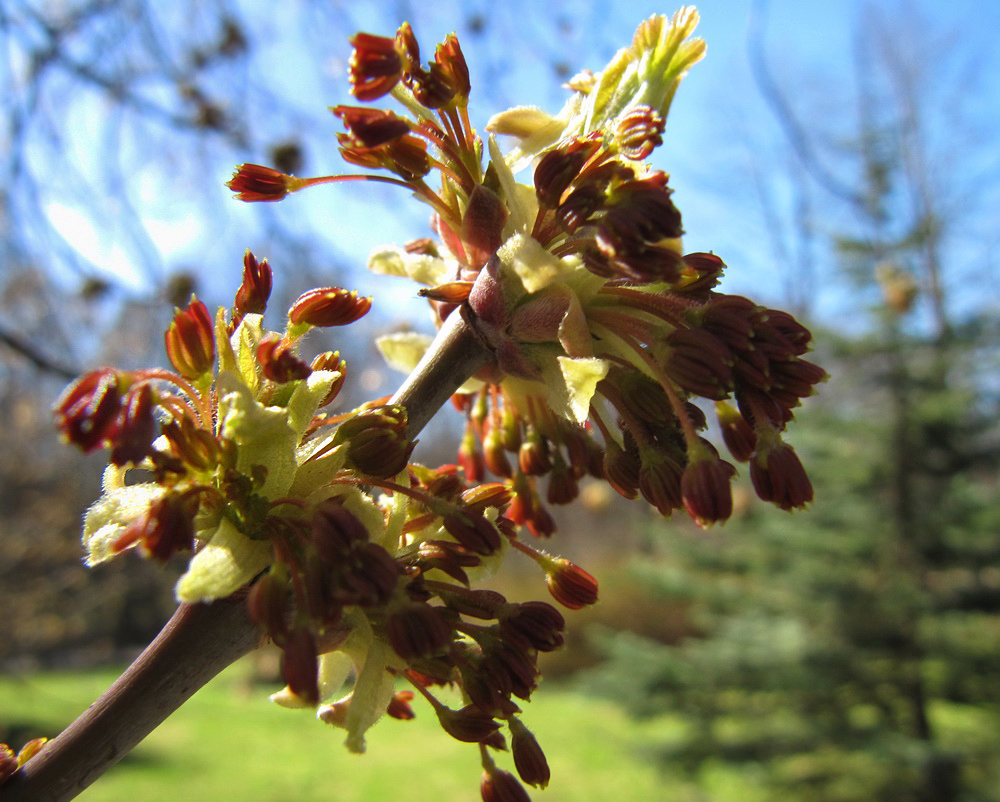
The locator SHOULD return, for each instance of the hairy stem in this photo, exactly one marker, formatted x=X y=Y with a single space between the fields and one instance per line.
x=201 y=640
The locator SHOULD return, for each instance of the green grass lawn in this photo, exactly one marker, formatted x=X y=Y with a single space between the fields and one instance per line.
x=230 y=743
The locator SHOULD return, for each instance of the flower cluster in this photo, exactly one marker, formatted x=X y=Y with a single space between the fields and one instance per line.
x=603 y=330
x=353 y=558
x=605 y=343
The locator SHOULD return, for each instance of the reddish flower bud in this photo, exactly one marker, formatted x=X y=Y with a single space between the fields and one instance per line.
x=399 y=706
x=778 y=477
x=331 y=361
x=278 y=361
x=167 y=526
x=533 y=456
x=255 y=182
x=533 y=625
x=196 y=448
x=87 y=411
x=529 y=759
x=190 y=341
x=638 y=132
x=451 y=62
x=700 y=363
x=706 y=488
x=621 y=468
x=300 y=666
x=473 y=531
x=470 y=458
x=377 y=442
x=482 y=604
x=540 y=522
x=737 y=434
x=254 y=292
x=502 y=786
x=448 y=557
x=660 y=481
x=707 y=271
x=375 y=66
x=336 y=531
x=137 y=427
x=563 y=487
x=569 y=584
x=371 y=128
x=417 y=630
x=494 y=454
x=470 y=724
x=328 y=306
x=267 y=605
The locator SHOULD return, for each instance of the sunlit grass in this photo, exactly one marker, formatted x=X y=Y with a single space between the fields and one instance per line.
x=229 y=742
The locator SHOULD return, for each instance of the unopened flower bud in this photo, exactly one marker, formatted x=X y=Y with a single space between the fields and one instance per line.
x=473 y=531
x=328 y=306
x=638 y=132
x=278 y=361
x=470 y=724
x=502 y=786
x=166 y=527
x=377 y=442
x=737 y=434
x=375 y=66
x=533 y=625
x=254 y=292
x=87 y=412
x=569 y=584
x=778 y=476
x=706 y=488
x=137 y=427
x=529 y=759
x=399 y=706
x=417 y=630
x=255 y=182
x=300 y=667
x=190 y=341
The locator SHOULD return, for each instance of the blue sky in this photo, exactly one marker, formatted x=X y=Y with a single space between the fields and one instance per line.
x=720 y=135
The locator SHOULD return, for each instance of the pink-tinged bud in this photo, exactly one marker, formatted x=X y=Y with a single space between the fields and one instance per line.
x=137 y=427
x=569 y=584
x=254 y=292
x=278 y=362
x=375 y=66
x=737 y=434
x=399 y=706
x=778 y=477
x=255 y=182
x=300 y=666
x=417 y=630
x=377 y=442
x=502 y=786
x=328 y=306
x=533 y=625
x=473 y=531
x=638 y=132
x=706 y=488
x=470 y=724
x=190 y=341
x=529 y=759
x=87 y=411
x=166 y=527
